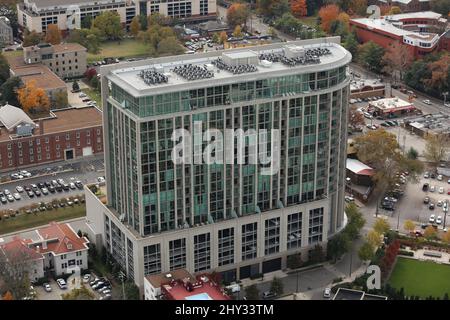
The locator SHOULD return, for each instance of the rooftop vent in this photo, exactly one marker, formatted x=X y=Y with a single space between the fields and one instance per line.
x=193 y=72
x=153 y=77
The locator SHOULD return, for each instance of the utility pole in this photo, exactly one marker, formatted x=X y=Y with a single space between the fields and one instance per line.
x=445 y=212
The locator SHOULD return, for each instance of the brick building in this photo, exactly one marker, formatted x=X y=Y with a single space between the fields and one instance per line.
x=67 y=60
x=63 y=135
x=420 y=32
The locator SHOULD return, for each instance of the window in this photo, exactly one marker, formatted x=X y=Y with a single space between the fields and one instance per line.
x=67 y=136
x=56 y=138
x=249 y=241
x=152 y=259
x=30 y=143
x=79 y=253
x=39 y=157
x=38 y=141
x=202 y=252
x=9 y=146
x=315 y=225
x=226 y=246
x=46 y=140
x=64 y=266
x=78 y=134
x=63 y=257
x=272 y=236
x=177 y=253
x=294 y=231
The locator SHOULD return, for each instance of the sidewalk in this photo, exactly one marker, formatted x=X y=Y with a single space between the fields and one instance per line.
x=267 y=277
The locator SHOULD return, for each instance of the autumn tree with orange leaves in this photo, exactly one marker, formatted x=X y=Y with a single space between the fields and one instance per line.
x=8 y=296
x=237 y=14
x=328 y=14
x=33 y=98
x=397 y=59
x=440 y=70
x=53 y=34
x=357 y=7
x=299 y=8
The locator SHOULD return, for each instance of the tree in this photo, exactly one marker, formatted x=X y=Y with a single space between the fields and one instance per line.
x=356 y=118
x=344 y=18
x=351 y=44
x=95 y=83
x=223 y=37
x=412 y=154
x=8 y=296
x=446 y=237
x=15 y=266
x=366 y=251
x=272 y=8
x=135 y=26
x=317 y=254
x=436 y=147
x=440 y=6
x=370 y=55
x=276 y=286
x=328 y=14
x=75 y=86
x=90 y=73
x=31 y=38
x=169 y=46
x=440 y=70
x=8 y=91
x=430 y=233
x=4 y=69
x=158 y=19
x=131 y=291
x=215 y=38
x=272 y=32
x=53 y=34
x=299 y=8
x=86 y=22
x=294 y=261
x=82 y=293
x=396 y=59
x=143 y=22
x=32 y=98
x=355 y=221
x=374 y=238
x=88 y=38
x=237 y=14
x=381 y=226
x=338 y=245
x=109 y=26
x=252 y=292
x=395 y=10
x=237 y=31
x=60 y=99
x=409 y=225
x=358 y=7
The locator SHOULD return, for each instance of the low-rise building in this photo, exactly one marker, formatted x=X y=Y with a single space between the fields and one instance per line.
x=6 y=32
x=359 y=173
x=435 y=124
x=366 y=88
x=405 y=5
x=55 y=248
x=67 y=60
x=391 y=107
x=63 y=135
x=179 y=284
x=17 y=251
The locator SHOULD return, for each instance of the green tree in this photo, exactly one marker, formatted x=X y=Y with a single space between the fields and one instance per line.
x=412 y=154
x=4 y=69
x=294 y=261
x=95 y=83
x=169 y=46
x=215 y=37
x=88 y=38
x=276 y=286
x=75 y=86
x=31 y=38
x=370 y=55
x=409 y=225
x=86 y=22
x=317 y=254
x=237 y=31
x=356 y=221
x=60 y=99
x=8 y=91
x=135 y=26
x=366 y=251
x=381 y=226
x=131 y=291
x=351 y=44
x=252 y=292
x=338 y=245
x=143 y=22
x=374 y=238
x=109 y=26
x=440 y=6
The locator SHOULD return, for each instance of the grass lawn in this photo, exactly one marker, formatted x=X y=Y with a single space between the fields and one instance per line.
x=127 y=48
x=309 y=21
x=24 y=221
x=94 y=95
x=421 y=278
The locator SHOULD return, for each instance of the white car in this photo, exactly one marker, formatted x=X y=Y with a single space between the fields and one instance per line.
x=439 y=177
x=19 y=189
x=428 y=102
x=439 y=203
x=439 y=220
x=86 y=278
x=432 y=188
x=82 y=95
x=441 y=189
x=47 y=287
x=17 y=196
x=25 y=173
x=61 y=283
x=327 y=293
x=432 y=218
x=426 y=175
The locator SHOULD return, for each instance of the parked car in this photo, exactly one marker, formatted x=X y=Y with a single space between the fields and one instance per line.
x=72 y=185
x=432 y=188
x=47 y=287
x=61 y=283
x=428 y=102
x=268 y=295
x=426 y=200
x=10 y=198
x=439 y=220
x=44 y=191
x=86 y=278
x=432 y=218
x=19 y=189
x=17 y=196
x=426 y=175
x=431 y=206
x=440 y=177
x=439 y=203
x=106 y=297
x=327 y=293
x=441 y=189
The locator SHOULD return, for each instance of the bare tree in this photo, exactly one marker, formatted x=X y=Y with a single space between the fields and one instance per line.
x=436 y=148
x=15 y=266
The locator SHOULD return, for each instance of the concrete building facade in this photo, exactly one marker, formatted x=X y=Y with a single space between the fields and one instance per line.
x=67 y=60
x=230 y=218
x=37 y=15
x=6 y=32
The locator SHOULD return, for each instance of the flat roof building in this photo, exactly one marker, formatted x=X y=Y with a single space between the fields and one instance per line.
x=238 y=218
x=390 y=107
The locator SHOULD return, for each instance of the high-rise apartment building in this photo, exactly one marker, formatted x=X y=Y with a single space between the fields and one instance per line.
x=228 y=217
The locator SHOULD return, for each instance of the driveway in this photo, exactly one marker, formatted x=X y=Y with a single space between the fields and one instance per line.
x=55 y=294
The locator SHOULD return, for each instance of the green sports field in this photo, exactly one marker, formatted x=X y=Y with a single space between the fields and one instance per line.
x=421 y=278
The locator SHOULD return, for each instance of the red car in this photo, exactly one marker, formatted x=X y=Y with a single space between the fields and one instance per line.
x=448 y=192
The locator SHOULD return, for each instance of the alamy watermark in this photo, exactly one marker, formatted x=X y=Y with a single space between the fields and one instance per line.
x=214 y=146
x=374 y=280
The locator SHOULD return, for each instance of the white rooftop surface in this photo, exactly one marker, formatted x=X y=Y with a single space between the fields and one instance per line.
x=356 y=166
x=128 y=77
x=11 y=116
x=390 y=103
x=359 y=84
x=385 y=23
